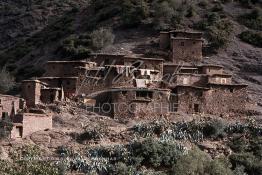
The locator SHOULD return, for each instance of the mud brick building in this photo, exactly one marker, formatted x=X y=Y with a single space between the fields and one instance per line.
x=31 y=91
x=204 y=89
x=133 y=102
x=28 y=123
x=10 y=105
x=185 y=85
x=24 y=123
x=184 y=46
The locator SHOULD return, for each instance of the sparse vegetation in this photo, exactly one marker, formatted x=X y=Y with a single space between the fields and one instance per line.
x=252 y=20
x=7 y=81
x=254 y=38
x=101 y=38
x=6 y=126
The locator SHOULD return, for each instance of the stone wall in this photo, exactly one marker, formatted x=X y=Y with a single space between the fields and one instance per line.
x=64 y=68
x=50 y=95
x=191 y=100
x=218 y=100
x=190 y=80
x=10 y=104
x=133 y=103
x=186 y=50
x=31 y=92
x=69 y=84
x=226 y=100
x=32 y=123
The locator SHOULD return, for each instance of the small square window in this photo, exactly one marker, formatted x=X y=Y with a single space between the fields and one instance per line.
x=231 y=90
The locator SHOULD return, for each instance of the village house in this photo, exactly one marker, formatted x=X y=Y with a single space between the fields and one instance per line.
x=27 y=123
x=184 y=46
x=204 y=89
x=187 y=85
x=10 y=105
x=15 y=110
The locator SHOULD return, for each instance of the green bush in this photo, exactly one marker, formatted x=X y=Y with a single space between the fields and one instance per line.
x=167 y=15
x=219 y=34
x=101 y=38
x=6 y=127
x=215 y=128
x=192 y=163
x=248 y=3
x=7 y=81
x=252 y=164
x=252 y=38
x=133 y=12
x=198 y=162
x=252 y=20
x=76 y=47
x=155 y=153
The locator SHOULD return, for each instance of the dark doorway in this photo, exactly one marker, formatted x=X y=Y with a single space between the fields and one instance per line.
x=196 y=108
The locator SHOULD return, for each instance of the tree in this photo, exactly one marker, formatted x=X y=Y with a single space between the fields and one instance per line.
x=7 y=81
x=101 y=38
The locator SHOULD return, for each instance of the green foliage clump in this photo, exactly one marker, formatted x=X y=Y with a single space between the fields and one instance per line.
x=133 y=12
x=156 y=154
x=252 y=164
x=7 y=81
x=252 y=20
x=215 y=128
x=102 y=38
x=97 y=133
x=28 y=160
x=168 y=14
x=254 y=38
x=218 y=30
x=198 y=162
x=77 y=47
x=248 y=3
x=6 y=127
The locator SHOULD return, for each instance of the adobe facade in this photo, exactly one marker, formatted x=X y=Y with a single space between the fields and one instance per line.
x=185 y=85
x=27 y=123
x=24 y=123
x=184 y=46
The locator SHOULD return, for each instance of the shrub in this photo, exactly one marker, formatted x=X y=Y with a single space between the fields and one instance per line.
x=191 y=11
x=192 y=163
x=198 y=162
x=122 y=169
x=252 y=20
x=6 y=127
x=7 y=81
x=133 y=12
x=77 y=47
x=219 y=33
x=155 y=153
x=251 y=38
x=219 y=167
x=166 y=15
x=248 y=3
x=101 y=38
x=214 y=128
x=252 y=164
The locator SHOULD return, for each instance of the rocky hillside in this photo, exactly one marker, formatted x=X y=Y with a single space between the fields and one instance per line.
x=82 y=142
x=33 y=32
